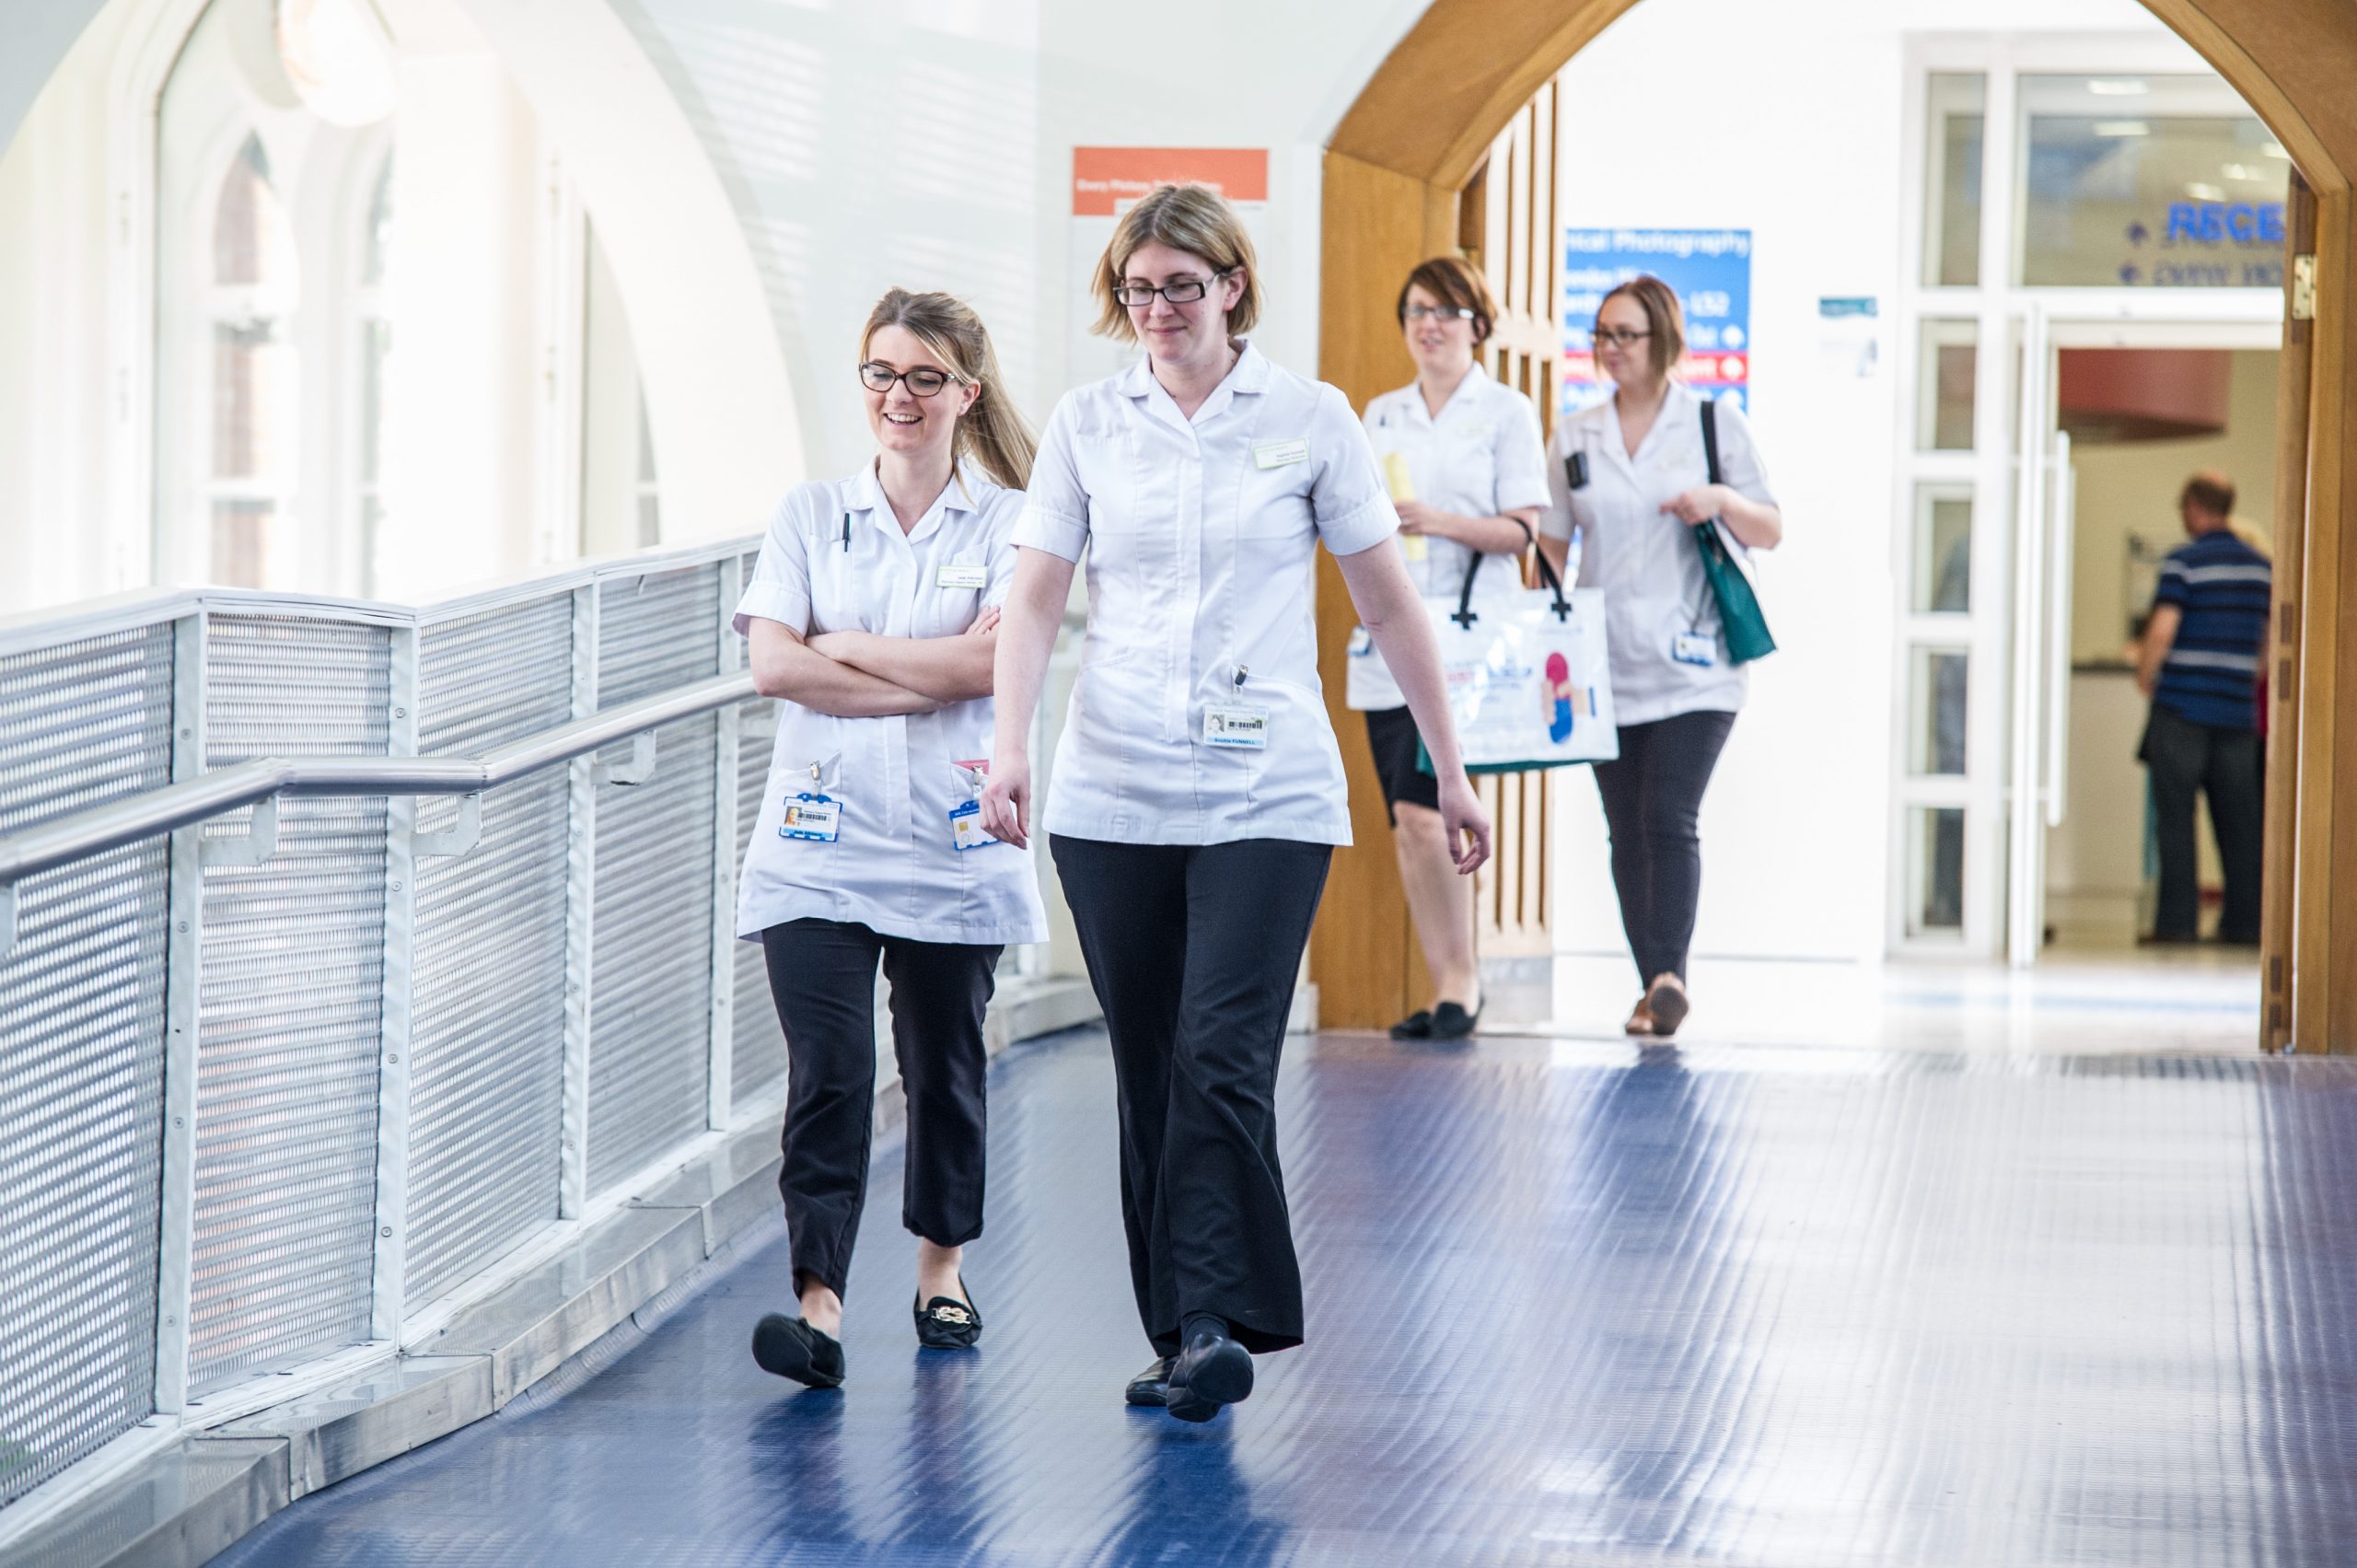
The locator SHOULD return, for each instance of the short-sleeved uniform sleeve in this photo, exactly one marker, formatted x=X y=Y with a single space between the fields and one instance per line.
x=1739 y=464
x=780 y=590
x=1006 y=517
x=1348 y=500
x=1055 y=507
x=1557 y=522
x=1521 y=459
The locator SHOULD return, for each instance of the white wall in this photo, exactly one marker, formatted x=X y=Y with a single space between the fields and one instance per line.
x=1710 y=114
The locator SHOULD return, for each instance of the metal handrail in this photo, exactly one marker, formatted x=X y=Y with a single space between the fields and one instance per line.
x=262 y=781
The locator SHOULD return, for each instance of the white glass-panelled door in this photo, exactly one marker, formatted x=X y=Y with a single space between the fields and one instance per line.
x=2073 y=193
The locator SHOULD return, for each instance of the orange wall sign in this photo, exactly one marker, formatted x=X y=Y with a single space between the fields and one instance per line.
x=1105 y=179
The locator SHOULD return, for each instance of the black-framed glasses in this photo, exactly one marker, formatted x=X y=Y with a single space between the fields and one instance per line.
x=1178 y=291
x=925 y=380
x=1438 y=313
x=1621 y=337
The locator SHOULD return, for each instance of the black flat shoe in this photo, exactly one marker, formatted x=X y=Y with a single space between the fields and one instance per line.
x=790 y=1347
x=948 y=1323
x=1667 y=1004
x=1213 y=1370
x=1415 y=1025
x=1151 y=1386
x=1453 y=1022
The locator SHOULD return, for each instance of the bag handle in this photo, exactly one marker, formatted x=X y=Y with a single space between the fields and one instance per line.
x=1710 y=439
x=1464 y=615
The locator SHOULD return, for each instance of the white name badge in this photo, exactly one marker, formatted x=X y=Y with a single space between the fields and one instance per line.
x=1693 y=647
x=1277 y=454
x=1242 y=726
x=954 y=576
x=816 y=817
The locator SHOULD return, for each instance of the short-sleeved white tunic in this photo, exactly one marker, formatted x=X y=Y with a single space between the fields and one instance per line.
x=1481 y=455
x=835 y=560
x=1644 y=558
x=1199 y=535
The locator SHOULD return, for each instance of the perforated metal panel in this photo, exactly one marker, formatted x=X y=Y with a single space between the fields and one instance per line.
x=757 y=1053
x=81 y=1057
x=487 y=1023
x=650 y=1008
x=291 y=1005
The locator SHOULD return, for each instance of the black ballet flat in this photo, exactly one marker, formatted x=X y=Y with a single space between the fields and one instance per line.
x=1453 y=1022
x=1415 y=1025
x=791 y=1348
x=1151 y=1388
x=948 y=1323
x=1212 y=1371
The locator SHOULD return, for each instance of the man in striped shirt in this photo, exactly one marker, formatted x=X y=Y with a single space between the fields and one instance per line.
x=2198 y=662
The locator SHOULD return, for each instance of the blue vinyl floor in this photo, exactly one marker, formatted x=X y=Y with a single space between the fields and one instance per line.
x=1568 y=1304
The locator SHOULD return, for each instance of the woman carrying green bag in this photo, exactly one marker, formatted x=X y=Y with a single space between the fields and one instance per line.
x=1667 y=495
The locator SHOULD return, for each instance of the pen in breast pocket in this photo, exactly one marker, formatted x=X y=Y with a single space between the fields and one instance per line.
x=846 y=533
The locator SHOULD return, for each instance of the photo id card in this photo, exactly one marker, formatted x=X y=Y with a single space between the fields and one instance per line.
x=1242 y=726
x=966 y=817
x=814 y=817
x=1694 y=648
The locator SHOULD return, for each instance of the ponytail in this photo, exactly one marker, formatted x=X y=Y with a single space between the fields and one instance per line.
x=993 y=433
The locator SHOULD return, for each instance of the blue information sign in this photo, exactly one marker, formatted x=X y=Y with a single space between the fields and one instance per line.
x=1708 y=269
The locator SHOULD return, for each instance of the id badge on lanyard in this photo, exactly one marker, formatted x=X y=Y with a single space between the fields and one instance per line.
x=812 y=815
x=1235 y=725
x=966 y=817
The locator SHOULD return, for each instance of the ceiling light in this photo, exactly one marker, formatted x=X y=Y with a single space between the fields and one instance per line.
x=2117 y=87
x=2242 y=172
x=2201 y=193
x=2275 y=149
x=2122 y=128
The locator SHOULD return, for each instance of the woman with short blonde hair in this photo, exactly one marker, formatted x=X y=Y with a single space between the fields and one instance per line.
x=1198 y=792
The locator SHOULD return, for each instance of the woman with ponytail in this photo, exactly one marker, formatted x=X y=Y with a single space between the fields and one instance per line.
x=873 y=616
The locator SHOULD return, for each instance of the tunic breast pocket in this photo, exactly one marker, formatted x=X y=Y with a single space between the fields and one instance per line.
x=1107 y=461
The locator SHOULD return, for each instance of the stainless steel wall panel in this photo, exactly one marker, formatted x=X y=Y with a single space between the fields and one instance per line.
x=650 y=1006
x=289 y=1010
x=487 y=1031
x=758 y=1061
x=81 y=1056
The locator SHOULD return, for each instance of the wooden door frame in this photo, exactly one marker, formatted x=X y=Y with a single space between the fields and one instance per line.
x=1408 y=145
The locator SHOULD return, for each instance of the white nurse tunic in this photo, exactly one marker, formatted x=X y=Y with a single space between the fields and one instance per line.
x=1481 y=456
x=1199 y=535
x=1644 y=558
x=835 y=560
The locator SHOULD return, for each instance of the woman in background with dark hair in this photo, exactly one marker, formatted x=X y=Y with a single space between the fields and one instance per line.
x=1631 y=477
x=1467 y=469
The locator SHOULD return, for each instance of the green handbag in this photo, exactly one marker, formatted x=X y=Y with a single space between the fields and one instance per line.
x=1741 y=623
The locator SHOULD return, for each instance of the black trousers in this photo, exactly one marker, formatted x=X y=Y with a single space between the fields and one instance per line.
x=822 y=976
x=1193 y=952
x=1653 y=798
x=2185 y=760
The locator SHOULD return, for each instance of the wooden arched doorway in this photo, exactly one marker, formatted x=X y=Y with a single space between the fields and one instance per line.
x=1395 y=173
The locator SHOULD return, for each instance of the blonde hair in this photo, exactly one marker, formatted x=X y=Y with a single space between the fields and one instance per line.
x=1194 y=219
x=1663 y=318
x=992 y=432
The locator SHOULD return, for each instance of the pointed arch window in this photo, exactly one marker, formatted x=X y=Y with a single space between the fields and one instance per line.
x=250 y=297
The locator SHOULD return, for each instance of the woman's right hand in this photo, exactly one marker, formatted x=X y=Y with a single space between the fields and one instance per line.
x=1007 y=800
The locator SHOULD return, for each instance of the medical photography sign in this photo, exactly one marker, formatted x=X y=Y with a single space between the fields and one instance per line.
x=1708 y=269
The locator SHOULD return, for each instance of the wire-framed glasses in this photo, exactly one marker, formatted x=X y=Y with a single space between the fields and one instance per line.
x=925 y=380
x=1621 y=337
x=1178 y=291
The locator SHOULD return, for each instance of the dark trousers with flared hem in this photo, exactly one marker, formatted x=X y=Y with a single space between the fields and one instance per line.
x=2187 y=760
x=1193 y=951
x=822 y=976
x=1653 y=801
